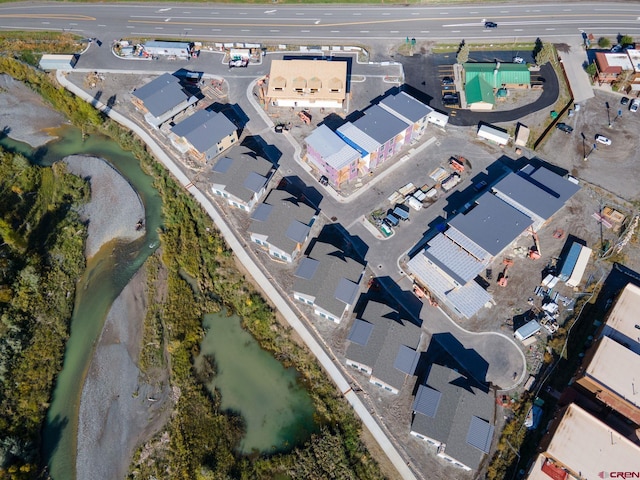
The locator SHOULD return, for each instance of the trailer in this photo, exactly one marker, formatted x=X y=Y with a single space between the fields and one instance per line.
x=438 y=174
x=570 y=262
x=528 y=330
x=408 y=189
x=580 y=267
x=414 y=203
x=450 y=182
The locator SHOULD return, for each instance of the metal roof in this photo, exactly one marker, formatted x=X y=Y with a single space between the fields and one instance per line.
x=406 y=107
x=406 y=360
x=498 y=74
x=287 y=223
x=380 y=124
x=480 y=434
x=401 y=213
x=262 y=212
x=426 y=401
x=466 y=299
x=539 y=191
x=346 y=291
x=161 y=94
x=222 y=165
x=168 y=45
x=492 y=224
x=307 y=268
x=462 y=399
x=466 y=243
x=389 y=340
x=333 y=266
x=360 y=332
x=254 y=182
x=479 y=90
x=333 y=149
x=455 y=261
x=204 y=129
x=358 y=139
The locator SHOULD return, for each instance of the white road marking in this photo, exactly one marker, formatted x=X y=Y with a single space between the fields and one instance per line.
x=164 y=10
x=46 y=23
x=270 y=11
x=102 y=25
x=415 y=13
x=335 y=31
x=305 y=31
x=517 y=29
x=364 y=31
x=386 y=14
x=455 y=31
x=317 y=22
x=394 y=31
x=159 y=28
x=274 y=31
x=167 y=19
x=424 y=31
x=357 y=14
x=245 y=30
x=549 y=29
x=73 y=24
x=299 y=13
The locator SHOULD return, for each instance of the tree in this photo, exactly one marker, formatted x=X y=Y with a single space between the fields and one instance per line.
x=463 y=53
x=591 y=69
x=626 y=40
x=604 y=42
x=546 y=54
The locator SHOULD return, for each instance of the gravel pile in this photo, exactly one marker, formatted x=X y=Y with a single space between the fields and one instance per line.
x=118 y=410
x=23 y=114
x=115 y=207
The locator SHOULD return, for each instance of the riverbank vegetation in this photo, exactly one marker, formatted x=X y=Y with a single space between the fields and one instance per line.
x=200 y=440
x=30 y=46
x=41 y=258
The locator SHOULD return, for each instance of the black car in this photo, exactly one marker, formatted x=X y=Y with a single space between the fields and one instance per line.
x=450 y=99
x=624 y=101
x=447 y=81
x=324 y=180
x=564 y=127
x=490 y=25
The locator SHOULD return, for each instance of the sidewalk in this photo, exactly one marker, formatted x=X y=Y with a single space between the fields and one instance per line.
x=270 y=290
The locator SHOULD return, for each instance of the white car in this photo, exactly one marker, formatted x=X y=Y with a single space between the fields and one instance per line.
x=603 y=140
x=635 y=103
x=518 y=60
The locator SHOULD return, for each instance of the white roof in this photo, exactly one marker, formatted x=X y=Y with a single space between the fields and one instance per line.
x=623 y=319
x=634 y=56
x=585 y=445
x=615 y=367
x=494 y=134
x=619 y=60
x=333 y=149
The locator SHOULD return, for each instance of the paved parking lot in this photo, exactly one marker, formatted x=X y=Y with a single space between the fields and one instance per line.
x=424 y=73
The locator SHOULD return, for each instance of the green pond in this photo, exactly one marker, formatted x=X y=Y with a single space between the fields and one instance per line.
x=277 y=410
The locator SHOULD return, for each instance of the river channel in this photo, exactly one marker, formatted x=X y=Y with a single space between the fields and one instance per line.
x=278 y=412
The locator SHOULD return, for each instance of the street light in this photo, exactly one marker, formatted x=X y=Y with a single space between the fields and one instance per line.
x=584 y=146
x=608 y=116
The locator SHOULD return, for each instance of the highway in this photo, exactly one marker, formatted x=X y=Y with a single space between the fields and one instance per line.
x=257 y=23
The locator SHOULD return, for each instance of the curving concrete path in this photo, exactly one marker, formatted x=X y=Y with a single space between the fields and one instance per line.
x=270 y=291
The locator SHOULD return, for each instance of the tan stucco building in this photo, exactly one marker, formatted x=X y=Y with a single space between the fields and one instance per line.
x=307 y=83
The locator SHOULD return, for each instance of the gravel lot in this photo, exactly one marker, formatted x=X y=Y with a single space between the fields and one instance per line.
x=23 y=114
x=110 y=193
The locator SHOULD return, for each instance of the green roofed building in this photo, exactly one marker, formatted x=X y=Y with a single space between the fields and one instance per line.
x=483 y=79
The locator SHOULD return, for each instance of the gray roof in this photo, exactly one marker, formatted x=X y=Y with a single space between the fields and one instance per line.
x=380 y=125
x=406 y=107
x=539 y=190
x=453 y=259
x=466 y=300
x=467 y=440
x=427 y=401
x=204 y=129
x=355 y=136
x=493 y=224
x=333 y=266
x=390 y=350
x=360 y=332
x=283 y=220
x=161 y=94
x=307 y=268
x=242 y=174
x=331 y=147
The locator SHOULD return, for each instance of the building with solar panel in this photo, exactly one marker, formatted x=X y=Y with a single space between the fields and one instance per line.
x=453 y=413
x=281 y=225
x=241 y=179
x=384 y=346
x=328 y=281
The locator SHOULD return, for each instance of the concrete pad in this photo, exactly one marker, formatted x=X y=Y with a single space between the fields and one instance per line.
x=578 y=78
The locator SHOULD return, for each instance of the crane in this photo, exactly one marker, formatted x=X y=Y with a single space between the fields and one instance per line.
x=503 y=279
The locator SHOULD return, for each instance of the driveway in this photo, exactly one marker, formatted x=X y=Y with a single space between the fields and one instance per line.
x=423 y=73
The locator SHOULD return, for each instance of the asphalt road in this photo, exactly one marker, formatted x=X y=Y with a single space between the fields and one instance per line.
x=257 y=23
